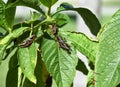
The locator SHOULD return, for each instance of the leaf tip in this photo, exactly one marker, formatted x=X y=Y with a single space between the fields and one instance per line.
x=33 y=79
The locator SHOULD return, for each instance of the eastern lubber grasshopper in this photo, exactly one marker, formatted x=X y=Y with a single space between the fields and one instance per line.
x=28 y=41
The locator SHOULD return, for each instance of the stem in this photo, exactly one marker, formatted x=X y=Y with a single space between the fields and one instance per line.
x=49 y=11
x=31 y=29
x=10 y=30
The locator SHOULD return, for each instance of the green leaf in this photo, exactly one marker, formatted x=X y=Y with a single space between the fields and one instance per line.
x=27 y=58
x=118 y=85
x=11 y=52
x=2 y=51
x=64 y=6
x=16 y=33
x=9 y=17
x=48 y=3
x=54 y=83
x=13 y=63
x=108 y=56
x=2 y=14
x=39 y=75
x=28 y=83
x=84 y=44
x=8 y=39
x=39 y=33
x=59 y=63
x=29 y=3
x=40 y=72
x=1 y=35
x=13 y=72
x=61 y=19
x=6 y=21
x=20 y=77
x=90 y=19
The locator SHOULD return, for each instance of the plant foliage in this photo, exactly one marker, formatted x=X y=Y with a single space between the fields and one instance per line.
x=42 y=54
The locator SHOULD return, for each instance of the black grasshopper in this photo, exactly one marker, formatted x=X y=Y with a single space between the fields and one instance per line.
x=28 y=41
x=63 y=45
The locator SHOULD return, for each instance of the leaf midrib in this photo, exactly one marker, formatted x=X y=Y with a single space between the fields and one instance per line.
x=114 y=71
x=58 y=49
